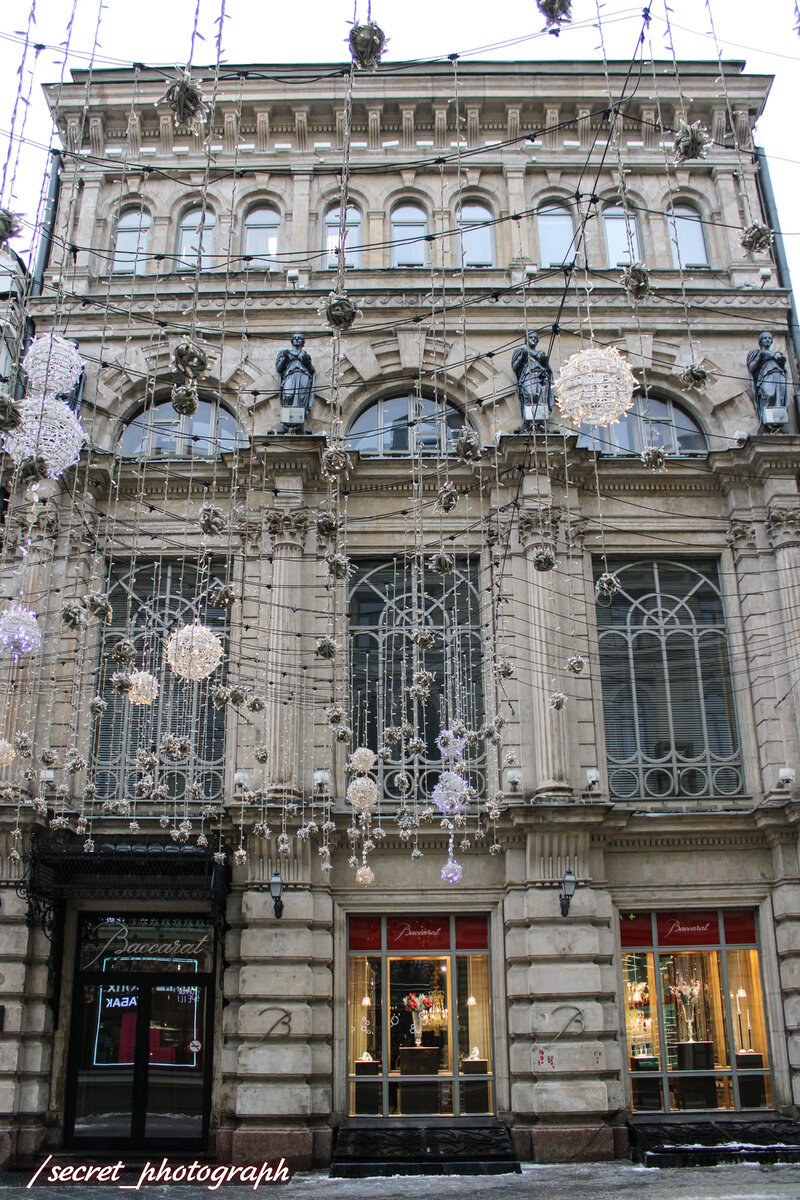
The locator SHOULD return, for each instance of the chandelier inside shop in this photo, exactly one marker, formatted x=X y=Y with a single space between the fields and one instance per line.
x=182 y=662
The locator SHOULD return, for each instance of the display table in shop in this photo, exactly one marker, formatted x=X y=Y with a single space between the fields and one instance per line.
x=474 y=1092
x=699 y=1092
x=646 y=1092
x=423 y=1097
x=752 y=1093
x=369 y=1092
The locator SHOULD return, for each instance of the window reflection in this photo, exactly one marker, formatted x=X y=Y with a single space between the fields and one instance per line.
x=399 y=425
x=161 y=432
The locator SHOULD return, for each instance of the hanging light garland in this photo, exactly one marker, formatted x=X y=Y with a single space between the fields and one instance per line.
x=595 y=386
x=194 y=652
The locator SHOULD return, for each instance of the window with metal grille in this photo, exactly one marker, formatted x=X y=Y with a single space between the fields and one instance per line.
x=388 y=600
x=667 y=698
x=149 y=600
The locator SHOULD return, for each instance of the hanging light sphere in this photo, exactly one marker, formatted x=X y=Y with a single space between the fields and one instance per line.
x=189 y=360
x=340 y=311
x=194 y=652
x=636 y=281
x=326 y=647
x=7 y=753
x=52 y=365
x=48 y=431
x=555 y=12
x=362 y=793
x=504 y=668
x=452 y=871
x=468 y=445
x=367 y=43
x=334 y=462
x=450 y=794
x=184 y=398
x=606 y=588
x=185 y=98
x=655 y=458
x=365 y=875
x=543 y=559
x=757 y=236
x=362 y=759
x=691 y=142
x=19 y=631
x=144 y=687
x=575 y=664
x=595 y=386
x=557 y=701
x=10 y=225
x=447 y=498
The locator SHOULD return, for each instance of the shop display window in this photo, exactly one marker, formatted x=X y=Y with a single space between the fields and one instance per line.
x=694 y=1011
x=420 y=1035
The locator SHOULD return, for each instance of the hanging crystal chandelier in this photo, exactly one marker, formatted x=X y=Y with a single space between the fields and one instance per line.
x=595 y=386
x=194 y=652
x=49 y=432
x=52 y=365
x=19 y=631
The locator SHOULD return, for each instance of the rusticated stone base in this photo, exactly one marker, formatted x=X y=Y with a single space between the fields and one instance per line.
x=268 y=1145
x=572 y=1143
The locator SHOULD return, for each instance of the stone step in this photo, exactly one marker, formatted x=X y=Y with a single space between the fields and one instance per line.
x=712 y=1142
x=393 y=1149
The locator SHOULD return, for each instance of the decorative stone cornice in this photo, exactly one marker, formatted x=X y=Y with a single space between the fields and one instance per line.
x=783 y=527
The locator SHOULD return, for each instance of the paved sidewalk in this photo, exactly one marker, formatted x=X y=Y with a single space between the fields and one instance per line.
x=594 y=1181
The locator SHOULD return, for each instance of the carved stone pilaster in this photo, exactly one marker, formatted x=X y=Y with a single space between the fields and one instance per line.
x=741 y=535
x=230 y=133
x=301 y=129
x=262 y=131
x=407 y=115
x=783 y=527
x=249 y=525
x=134 y=135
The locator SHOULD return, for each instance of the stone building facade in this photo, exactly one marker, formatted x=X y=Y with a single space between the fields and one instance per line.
x=684 y=844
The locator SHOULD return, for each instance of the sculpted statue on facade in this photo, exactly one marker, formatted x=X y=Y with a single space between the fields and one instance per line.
x=534 y=381
x=298 y=379
x=767 y=369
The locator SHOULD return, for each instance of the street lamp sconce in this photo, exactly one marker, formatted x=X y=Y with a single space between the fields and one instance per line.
x=568 y=885
x=276 y=891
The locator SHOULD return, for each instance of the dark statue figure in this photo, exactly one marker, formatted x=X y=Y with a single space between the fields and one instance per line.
x=767 y=369
x=534 y=379
x=298 y=379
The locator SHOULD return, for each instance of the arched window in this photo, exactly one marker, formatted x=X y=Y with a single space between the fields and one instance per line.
x=261 y=234
x=159 y=431
x=667 y=698
x=556 y=235
x=622 y=236
x=130 y=242
x=352 y=237
x=196 y=235
x=686 y=237
x=651 y=422
x=475 y=236
x=406 y=425
x=409 y=230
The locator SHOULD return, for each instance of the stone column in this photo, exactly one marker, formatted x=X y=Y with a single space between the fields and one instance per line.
x=287 y=527
x=547 y=742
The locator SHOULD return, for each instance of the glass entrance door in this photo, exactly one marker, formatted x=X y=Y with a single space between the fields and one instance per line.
x=140 y=1048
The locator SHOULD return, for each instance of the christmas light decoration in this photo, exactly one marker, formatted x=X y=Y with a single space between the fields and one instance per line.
x=49 y=435
x=340 y=312
x=555 y=12
x=185 y=98
x=19 y=631
x=691 y=142
x=367 y=43
x=52 y=365
x=7 y=753
x=756 y=237
x=144 y=688
x=194 y=652
x=10 y=225
x=595 y=386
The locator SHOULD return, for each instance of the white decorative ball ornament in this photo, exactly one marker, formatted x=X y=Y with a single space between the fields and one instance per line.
x=7 y=753
x=19 y=631
x=595 y=386
x=365 y=876
x=52 y=365
x=194 y=652
x=362 y=759
x=144 y=687
x=49 y=431
x=362 y=793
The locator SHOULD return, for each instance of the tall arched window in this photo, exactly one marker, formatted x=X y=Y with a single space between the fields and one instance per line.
x=622 y=236
x=195 y=235
x=652 y=421
x=130 y=242
x=475 y=236
x=686 y=237
x=261 y=237
x=407 y=424
x=160 y=432
x=352 y=237
x=409 y=230
x=667 y=697
x=556 y=235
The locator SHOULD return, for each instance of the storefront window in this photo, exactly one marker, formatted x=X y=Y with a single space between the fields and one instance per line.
x=694 y=1013
x=426 y=1050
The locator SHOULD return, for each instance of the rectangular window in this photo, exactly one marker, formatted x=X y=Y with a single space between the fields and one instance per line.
x=622 y=237
x=694 y=1011
x=149 y=600
x=419 y=1016
x=667 y=698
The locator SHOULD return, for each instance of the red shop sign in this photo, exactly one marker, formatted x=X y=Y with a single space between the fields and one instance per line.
x=688 y=929
x=418 y=933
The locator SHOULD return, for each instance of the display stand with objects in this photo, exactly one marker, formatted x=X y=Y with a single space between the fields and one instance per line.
x=698 y=1092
